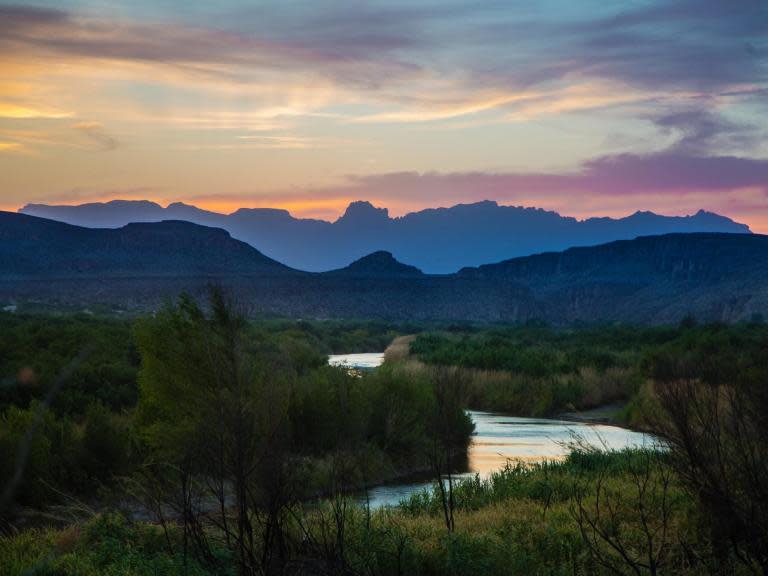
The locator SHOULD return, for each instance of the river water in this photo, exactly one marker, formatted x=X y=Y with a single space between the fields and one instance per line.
x=499 y=439
x=365 y=361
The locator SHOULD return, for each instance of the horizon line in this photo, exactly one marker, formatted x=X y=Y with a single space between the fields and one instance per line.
x=168 y=204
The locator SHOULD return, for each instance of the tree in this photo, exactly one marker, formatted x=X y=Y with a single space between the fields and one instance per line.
x=607 y=517
x=214 y=403
x=449 y=430
x=711 y=393
x=717 y=438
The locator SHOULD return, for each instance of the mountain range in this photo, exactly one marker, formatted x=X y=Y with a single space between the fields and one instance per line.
x=651 y=279
x=437 y=240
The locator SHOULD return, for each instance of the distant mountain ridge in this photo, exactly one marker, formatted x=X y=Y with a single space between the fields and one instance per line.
x=651 y=279
x=36 y=247
x=436 y=240
x=655 y=279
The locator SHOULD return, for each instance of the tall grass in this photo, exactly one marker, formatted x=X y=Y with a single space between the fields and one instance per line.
x=108 y=545
x=521 y=520
x=526 y=395
x=545 y=482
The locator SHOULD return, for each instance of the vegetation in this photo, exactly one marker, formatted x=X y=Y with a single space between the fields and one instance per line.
x=710 y=391
x=230 y=447
x=236 y=423
x=99 y=353
x=108 y=544
x=69 y=390
x=535 y=370
x=580 y=516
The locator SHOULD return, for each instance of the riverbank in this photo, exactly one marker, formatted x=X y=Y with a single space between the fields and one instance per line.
x=607 y=414
x=399 y=349
x=500 y=437
x=502 y=440
x=565 y=515
x=523 y=520
x=534 y=371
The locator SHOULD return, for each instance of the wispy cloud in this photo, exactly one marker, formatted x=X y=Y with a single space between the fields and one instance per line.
x=10 y=146
x=402 y=57
x=17 y=112
x=396 y=85
x=96 y=135
x=219 y=54
x=262 y=142
x=619 y=176
x=84 y=195
x=702 y=131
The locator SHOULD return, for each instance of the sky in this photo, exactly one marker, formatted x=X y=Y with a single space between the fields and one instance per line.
x=586 y=107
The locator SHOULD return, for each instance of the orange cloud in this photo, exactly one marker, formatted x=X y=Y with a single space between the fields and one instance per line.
x=9 y=146
x=15 y=111
x=301 y=205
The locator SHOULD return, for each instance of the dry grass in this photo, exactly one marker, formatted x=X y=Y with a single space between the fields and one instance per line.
x=399 y=349
x=521 y=394
x=66 y=540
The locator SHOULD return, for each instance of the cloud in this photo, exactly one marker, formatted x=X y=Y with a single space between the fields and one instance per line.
x=10 y=146
x=477 y=57
x=667 y=173
x=681 y=44
x=21 y=112
x=668 y=181
x=671 y=172
x=19 y=15
x=311 y=76
x=702 y=131
x=281 y=142
x=440 y=108
x=195 y=50
x=83 y=195
x=671 y=44
x=96 y=135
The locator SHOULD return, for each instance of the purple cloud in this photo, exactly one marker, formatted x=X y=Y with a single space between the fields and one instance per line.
x=703 y=131
x=704 y=46
x=670 y=172
x=688 y=44
x=58 y=34
x=16 y=16
x=666 y=181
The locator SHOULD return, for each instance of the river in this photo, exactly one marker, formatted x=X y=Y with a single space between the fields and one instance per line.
x=499 y=438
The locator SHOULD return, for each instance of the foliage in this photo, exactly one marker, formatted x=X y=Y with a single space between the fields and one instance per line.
x=710 y=391
x=240 y=419
x=534 y=370
x=34 y=350
x=522 y=520
x=106 y=545
x=248 y=417
x=78 y=375
x=58 y=455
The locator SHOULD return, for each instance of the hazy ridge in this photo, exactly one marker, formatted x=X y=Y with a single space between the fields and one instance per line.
x=655 y=279
x=436 y=240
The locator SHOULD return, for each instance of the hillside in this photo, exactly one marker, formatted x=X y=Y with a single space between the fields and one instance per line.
x=36 y=247
x=435 y=240
x=379 y=264
x=650 y=279
x=656 y=279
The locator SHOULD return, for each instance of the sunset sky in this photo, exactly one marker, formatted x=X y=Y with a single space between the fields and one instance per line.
x=586 y=107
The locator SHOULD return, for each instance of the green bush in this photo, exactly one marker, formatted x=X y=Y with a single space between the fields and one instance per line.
x=107 y=545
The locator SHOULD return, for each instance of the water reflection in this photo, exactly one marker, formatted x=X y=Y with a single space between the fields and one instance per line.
x=363 y=361
x=499 y=438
